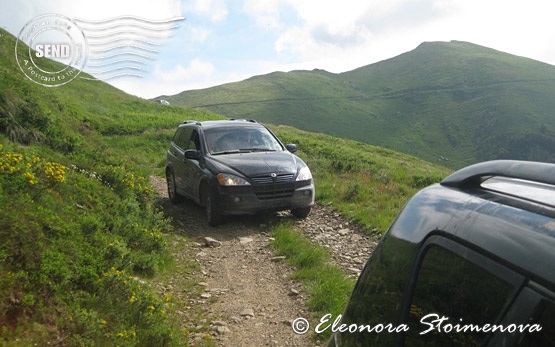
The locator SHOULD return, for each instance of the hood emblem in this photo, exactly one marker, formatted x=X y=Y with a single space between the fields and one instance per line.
x=273 y=175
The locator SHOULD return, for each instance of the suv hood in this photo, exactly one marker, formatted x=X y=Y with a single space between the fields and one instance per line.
x=259 y=163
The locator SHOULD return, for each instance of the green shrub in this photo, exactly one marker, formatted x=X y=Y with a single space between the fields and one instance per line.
x=73 y=245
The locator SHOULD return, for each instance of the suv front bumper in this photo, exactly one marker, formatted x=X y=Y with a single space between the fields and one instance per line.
x=257 y=198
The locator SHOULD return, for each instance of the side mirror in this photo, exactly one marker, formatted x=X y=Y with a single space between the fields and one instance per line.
x=291 y=147
x=192 y=154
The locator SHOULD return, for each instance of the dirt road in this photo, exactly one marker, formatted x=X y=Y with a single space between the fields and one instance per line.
x=248 y=295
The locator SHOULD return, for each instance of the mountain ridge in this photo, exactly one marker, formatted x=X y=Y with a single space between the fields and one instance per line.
x=464 y=103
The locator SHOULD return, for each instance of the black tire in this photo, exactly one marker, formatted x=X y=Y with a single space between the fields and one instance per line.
x=174 y=196
x=213 y=216
x=301 y=212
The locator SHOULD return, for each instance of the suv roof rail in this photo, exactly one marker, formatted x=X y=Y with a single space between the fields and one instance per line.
x=191 y=121
x=244 y=120
x=474 y=175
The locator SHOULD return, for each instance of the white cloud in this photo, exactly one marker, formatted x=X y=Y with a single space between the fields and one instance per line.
x=197 y=68
x=169 y=82
x=339 y=36
x=215 y=10
x=199 y=34
x=265 y=13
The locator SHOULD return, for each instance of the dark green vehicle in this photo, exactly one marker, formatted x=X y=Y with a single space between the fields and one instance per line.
x=468 y=262
x=234 y=167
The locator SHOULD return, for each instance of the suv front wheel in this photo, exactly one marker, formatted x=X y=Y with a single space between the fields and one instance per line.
x=213 y=216
x=301 y=212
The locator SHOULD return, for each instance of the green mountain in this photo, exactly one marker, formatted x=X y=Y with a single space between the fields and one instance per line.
x=453 y=103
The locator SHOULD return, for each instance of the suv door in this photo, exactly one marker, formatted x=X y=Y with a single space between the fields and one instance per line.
x=177 y=158
x=192 y=170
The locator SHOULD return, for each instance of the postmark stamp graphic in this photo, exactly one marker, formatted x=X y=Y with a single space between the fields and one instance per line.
x=51 y=50
x=124 y=46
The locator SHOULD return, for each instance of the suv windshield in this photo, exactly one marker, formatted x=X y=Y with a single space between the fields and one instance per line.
x=236 y=140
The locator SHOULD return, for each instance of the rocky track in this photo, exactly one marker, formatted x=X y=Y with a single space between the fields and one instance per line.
x=248 y=295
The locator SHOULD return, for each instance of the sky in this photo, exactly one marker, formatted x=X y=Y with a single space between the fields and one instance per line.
x=212 y=42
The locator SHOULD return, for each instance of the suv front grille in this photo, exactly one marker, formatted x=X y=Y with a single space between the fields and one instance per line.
x=267 y=187
x=271 y=180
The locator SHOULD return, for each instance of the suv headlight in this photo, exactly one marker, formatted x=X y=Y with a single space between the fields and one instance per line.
x=226 y=179
x=304 y=174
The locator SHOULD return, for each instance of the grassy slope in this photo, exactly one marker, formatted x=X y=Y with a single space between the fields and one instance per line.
x=78 y=222
x=73 y=240
x=450 y=100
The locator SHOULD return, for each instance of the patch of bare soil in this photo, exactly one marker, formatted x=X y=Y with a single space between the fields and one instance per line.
x=249 y=297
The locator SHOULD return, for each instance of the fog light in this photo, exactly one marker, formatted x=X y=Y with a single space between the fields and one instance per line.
x=237 y=199
x=307 y=193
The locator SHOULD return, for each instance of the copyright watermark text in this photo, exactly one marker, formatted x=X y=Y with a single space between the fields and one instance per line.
x=430 y=323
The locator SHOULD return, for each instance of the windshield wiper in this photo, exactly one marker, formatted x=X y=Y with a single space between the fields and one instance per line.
x=244 y=150
x=258 y=150
x=230 y=151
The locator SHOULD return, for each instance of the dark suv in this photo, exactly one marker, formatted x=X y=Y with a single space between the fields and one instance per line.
x=468 y=262
x=236 y=167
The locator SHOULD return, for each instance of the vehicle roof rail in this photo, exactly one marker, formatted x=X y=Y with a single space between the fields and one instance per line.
x=474 y=175
x=191 y=121
x=244 y=120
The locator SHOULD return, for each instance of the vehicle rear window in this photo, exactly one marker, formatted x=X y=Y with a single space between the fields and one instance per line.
x=451 y=290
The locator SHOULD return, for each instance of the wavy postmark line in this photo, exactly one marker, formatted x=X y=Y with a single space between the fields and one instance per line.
x=127 y=25
x=128 y=33
x=105 y=65
x=113 y=41
x=125 y=39
x=115 y=62
x=118 y=47
x=135 y=18
x=125 y=53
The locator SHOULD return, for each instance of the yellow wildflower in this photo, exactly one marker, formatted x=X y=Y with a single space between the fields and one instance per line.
x=30 y=177
x=55 y=171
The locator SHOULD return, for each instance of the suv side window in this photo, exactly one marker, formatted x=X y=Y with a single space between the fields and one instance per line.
x=182 y=136
x=461 y=285
x=194 y=142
